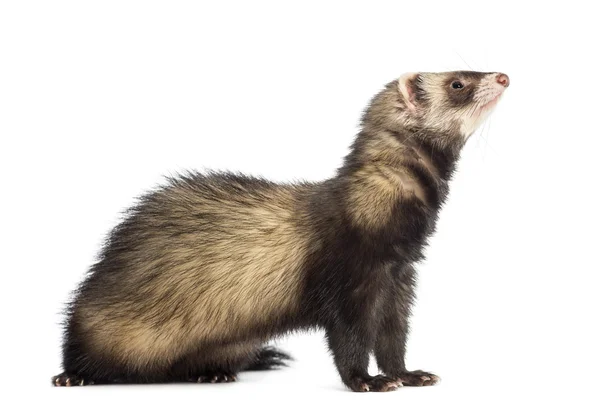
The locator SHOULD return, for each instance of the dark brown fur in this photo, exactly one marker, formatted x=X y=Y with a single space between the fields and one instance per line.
x=203 y=271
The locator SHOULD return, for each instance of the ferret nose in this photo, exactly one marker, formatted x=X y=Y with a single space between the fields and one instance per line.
x=503 y=79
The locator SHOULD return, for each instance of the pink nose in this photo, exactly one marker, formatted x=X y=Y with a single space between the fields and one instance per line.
x=503 y=79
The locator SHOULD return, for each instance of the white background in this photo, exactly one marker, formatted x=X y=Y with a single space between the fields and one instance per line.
x=99 y=100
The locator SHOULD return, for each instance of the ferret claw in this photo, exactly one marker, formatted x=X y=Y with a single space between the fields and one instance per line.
x=218 y=377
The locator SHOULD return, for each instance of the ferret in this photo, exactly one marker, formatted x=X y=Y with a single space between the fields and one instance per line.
x=206 y=269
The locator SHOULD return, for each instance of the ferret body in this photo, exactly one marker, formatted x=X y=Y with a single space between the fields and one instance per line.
x=205 y=270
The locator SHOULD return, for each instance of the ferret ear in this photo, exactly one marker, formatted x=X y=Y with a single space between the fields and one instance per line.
x=406 y=86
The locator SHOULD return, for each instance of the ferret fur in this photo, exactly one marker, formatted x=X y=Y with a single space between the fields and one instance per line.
x=206 y=269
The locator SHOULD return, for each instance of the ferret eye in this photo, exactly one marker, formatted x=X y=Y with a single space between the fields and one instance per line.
x=457 y=84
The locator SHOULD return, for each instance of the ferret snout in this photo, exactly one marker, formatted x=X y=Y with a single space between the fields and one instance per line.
x=503 y=79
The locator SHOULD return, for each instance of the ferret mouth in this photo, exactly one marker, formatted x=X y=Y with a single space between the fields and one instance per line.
x=489 y=105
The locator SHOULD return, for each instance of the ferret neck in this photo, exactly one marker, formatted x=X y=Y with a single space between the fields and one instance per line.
x=423 y=144
x=400 y=148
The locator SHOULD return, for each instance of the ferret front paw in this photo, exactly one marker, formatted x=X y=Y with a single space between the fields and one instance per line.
x=378 y=383
x=417 y=378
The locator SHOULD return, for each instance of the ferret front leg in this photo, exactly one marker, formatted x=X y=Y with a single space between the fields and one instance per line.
x=351 y=346
x=390 y=343
x=390 y=351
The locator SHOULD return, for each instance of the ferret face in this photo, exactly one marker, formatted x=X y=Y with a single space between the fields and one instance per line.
x=456 y=101
x=453 y=104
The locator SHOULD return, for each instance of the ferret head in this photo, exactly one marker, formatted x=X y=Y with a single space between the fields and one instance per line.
x=450 y=105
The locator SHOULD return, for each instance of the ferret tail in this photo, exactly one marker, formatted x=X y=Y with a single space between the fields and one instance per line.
x=268 y=358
